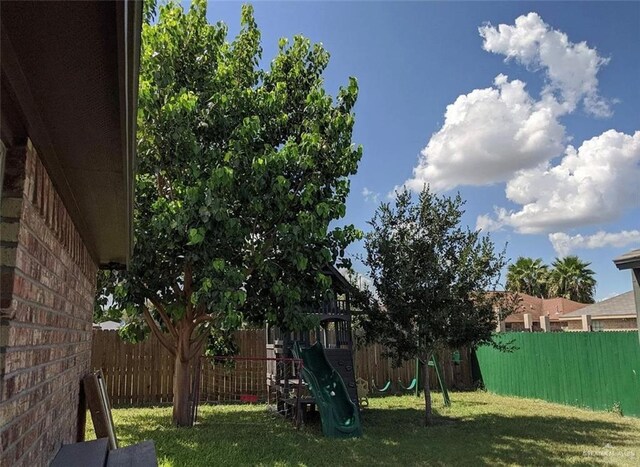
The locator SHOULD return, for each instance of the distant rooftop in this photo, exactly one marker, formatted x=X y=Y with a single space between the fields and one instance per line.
x=554 y=308
x=630 y=260
x=620 y=305
x=108 y=326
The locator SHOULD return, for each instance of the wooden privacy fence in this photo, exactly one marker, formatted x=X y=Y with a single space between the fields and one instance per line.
x=134 y=373
x=222 y=383
x=372 y=366
x=142 y=374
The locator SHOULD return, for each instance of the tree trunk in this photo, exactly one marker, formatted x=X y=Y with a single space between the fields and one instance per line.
x=181 y=392
x=427 y=391
x=179 y=343
x=182 y=378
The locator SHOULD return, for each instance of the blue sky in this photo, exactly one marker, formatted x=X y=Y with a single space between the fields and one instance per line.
x=503 y=135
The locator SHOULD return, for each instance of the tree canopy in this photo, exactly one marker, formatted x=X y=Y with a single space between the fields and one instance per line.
x=571 y=278
x=528 y=275
x=241 y=171
x=432 y=280
x=568 y=277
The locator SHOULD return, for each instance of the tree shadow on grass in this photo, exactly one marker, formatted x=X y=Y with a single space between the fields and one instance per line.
x=392 y=436
x=489 y=439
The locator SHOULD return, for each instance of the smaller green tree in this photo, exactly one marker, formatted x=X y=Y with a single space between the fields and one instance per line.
x=528 y=275
x=430 y=279
x=571 y=278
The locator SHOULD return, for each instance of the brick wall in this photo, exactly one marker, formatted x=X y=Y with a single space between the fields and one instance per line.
x=519 y=326
x=46 y=301
x=619 y=324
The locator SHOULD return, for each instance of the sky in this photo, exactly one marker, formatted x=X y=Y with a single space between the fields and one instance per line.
x=529 y=110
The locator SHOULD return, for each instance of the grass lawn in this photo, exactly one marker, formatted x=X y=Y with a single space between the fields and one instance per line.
x=479 y=429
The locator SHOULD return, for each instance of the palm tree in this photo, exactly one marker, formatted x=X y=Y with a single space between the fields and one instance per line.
x=528 y=275
x=571 y=278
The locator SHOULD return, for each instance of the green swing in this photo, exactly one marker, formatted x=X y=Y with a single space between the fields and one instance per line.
x=383 y=390
x=411 y=387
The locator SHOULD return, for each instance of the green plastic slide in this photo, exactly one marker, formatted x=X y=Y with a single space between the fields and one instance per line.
x=340 y=416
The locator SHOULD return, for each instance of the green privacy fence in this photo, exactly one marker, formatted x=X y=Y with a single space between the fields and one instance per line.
x=598 y=370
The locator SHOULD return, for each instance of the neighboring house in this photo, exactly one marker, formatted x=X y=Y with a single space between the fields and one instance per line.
x=107 y=325
x=631 y=262
x=616 y=313
x=69 y=74
x=554 y=308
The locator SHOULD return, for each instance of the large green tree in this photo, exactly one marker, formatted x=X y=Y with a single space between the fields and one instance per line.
x=571 y=278
x=430 y=281
x=528 y=275
x=241 y=170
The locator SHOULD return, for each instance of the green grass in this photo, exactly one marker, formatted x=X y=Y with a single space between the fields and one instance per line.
x=479 y=429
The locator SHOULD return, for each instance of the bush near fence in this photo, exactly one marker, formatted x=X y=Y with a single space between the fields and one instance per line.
x=597 y=370
x=142 y=374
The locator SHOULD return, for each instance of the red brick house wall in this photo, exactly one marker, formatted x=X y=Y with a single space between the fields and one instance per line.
x=610 y=324
x=46 y=300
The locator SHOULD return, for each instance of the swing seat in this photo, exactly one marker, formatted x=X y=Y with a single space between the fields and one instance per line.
x=411 y=386
x=386 y=387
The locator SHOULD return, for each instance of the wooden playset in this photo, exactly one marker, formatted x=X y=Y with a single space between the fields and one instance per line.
x=333 y=336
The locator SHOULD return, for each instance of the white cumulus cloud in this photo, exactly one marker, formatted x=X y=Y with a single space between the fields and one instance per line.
x=491 y=133
x=593 y=184
x=487 y=223
x=564 y=244
x=571 y=69
x=487 y=135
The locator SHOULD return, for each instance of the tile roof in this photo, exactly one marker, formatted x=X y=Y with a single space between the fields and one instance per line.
x=623 y=304
x=553 y=307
